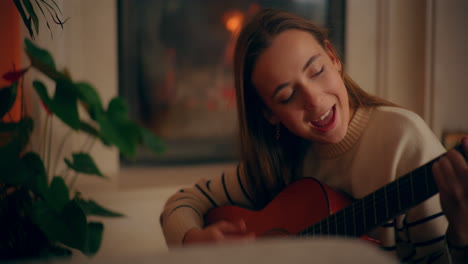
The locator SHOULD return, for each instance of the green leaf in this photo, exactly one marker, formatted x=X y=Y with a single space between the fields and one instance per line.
x=44 y=16
x=7 y=98
x=123 y=134
x=89 y=129
x=83 y=163
x=58 y=194
x=10 y=168
x=41 y=91
x=34 y=173
x=75 y=220
x=65 y=104
x=151 y=141
x=48 y=220
x=88 y=95
x=90 y=207
x=58 y=8
x=40 y=58
x=117 y=109
x=32 y=14
x=13 y=139
x=68 y=226
x=26 y=21
x=93 y=238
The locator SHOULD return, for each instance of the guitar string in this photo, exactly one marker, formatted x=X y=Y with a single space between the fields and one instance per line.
x=340 y=216
x=390 y=194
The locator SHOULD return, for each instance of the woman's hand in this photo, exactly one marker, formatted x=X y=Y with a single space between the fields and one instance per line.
x=451 y=176
x=219 y=232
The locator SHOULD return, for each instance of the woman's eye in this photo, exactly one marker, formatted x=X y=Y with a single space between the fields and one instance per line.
x=287 y=100
x=315 y=73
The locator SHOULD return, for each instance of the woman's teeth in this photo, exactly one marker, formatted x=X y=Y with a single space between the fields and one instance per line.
x=324 y=116
x=325 y=119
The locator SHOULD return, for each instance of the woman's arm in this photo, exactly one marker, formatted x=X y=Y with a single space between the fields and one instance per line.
x=184 y=211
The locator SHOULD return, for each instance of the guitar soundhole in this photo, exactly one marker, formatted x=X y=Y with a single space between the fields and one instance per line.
x=276 y=232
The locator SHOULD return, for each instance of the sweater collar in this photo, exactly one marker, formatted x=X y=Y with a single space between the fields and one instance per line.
x=355 y=129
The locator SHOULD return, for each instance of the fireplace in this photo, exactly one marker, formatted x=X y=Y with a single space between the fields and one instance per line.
x=175 y=69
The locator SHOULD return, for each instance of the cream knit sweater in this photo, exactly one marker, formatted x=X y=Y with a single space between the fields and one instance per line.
x=381 y=144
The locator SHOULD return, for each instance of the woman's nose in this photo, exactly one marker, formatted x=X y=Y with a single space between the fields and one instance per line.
x=311 y=97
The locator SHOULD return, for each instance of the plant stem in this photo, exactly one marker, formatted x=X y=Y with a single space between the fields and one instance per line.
x=60 y=150
x=75 y=177
x=91 y=145
x=23 y=101
x=65 y=173
x=44 y=135
x=51 y=130
x=83 y=147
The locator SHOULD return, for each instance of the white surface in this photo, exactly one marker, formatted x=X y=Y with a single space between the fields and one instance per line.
x=137 y=238
x=281 y=251
x=140 y=194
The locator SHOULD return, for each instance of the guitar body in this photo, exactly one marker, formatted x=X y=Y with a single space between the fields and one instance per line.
x=300 y=204
x=309 y=207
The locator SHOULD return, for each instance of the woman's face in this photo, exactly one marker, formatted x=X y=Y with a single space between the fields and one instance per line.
x=300 y=83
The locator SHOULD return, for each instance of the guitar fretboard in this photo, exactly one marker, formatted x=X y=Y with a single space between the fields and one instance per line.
x=380 y=206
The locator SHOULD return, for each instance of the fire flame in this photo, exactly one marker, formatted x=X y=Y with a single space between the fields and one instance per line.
x=233 y=21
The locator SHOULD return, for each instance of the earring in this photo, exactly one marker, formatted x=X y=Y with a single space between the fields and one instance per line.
x=278 y=130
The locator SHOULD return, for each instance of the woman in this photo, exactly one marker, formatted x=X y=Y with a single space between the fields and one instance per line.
x=301 y=116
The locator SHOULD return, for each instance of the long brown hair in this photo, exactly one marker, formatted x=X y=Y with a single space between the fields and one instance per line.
x=269 y=164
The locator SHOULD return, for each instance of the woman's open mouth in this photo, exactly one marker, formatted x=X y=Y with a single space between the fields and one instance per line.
x=326 y=121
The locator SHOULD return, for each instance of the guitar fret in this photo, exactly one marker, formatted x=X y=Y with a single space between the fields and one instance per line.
x=345 y=224
x=427 y=184
x=364 y=213
x=411 y=187
x=398 y=194
x=368 y=211
x=336 y=224
x=386 y=201
x=375 y=208
x=354 y=219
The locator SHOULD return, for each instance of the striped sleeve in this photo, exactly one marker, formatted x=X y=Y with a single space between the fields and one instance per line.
x=185 y=209
x=420 y=236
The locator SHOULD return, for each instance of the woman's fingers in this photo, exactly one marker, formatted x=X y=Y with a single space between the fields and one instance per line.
x=235 y=230
x=451 y=176
x=219 y=232
x=232 y=227
x=464 y=143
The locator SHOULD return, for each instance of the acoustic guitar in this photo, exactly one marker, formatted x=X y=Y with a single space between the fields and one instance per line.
x=307 y=207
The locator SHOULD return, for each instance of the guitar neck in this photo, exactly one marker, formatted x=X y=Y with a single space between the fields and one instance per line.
x=380 y=206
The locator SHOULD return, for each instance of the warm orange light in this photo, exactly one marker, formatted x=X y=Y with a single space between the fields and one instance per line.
x=233 y=20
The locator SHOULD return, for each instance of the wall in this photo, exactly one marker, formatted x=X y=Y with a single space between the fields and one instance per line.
x=91 y=51
x=87 y=47
x=385 y=49
x=449 y=68
x=414 y=54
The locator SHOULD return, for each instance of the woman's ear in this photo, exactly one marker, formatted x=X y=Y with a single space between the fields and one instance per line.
x=332 y=54
x=270 y=117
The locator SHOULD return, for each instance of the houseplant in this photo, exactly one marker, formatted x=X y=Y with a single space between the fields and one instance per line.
x=41 y=213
